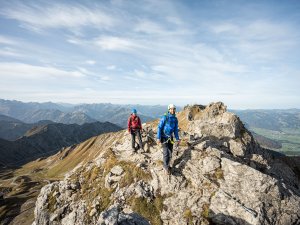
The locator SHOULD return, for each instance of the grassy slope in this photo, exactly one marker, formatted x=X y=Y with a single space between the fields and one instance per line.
x=24 y=184
x=290 y=139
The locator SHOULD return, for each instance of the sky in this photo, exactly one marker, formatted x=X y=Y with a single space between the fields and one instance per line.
x=243 y=53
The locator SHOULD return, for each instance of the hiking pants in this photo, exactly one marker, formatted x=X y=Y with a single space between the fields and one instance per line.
x=139 y=136
x=167 y=152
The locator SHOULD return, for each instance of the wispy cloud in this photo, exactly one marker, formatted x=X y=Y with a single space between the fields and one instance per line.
x=149 y=27
x=57 y=15
x=115 y=43
x=111 y=67
x=256 y=39
x=22 y=70
x=91 y=62
x=10 y=52
x=7 y=40
x=225 y=28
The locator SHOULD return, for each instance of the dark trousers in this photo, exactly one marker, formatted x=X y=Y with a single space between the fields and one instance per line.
x=167 y=152
x=135 y=133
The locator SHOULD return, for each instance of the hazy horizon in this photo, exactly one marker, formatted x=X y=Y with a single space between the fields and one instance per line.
x=74 y=104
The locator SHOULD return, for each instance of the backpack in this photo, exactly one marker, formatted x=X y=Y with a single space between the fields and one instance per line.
x=166 y=121
x=134 y=123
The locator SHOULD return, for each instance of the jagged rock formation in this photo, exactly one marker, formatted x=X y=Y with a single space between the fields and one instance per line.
x=220 y=175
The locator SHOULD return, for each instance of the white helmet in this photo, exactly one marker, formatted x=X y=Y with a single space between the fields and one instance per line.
x=171 y=106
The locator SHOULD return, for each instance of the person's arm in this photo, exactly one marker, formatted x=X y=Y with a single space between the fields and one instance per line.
x=160 y=127
x=129 y=124
x=176 y=131
x=140 y=124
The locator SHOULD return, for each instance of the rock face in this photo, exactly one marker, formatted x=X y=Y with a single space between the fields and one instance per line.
x=220 y=175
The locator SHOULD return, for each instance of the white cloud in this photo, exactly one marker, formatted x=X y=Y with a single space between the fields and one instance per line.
x=7 y=40
x=22 y=70
x=111 y=67
x=225 y=27
x=115 y=43
x=131 y=78
x=58 y=15
x=140 y=74
x=105 y=78
x=149 y=27
x=74 y=41
x=83 y=70
x=256 y=39
x=196 y=62
x=263 y=29
x=10 y=52
x=91 y=62
x=175 y=20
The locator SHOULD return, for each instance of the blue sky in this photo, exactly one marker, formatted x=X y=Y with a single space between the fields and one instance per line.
x=244 y=53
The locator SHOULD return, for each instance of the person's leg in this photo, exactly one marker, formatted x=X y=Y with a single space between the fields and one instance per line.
x=133 y=140
x=165 y=155
x=140 y=139
x=170 y=149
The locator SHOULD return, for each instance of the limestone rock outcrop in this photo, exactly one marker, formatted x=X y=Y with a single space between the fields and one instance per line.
x=220 y=175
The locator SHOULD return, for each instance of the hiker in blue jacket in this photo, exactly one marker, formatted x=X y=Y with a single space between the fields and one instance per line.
x=168 y=126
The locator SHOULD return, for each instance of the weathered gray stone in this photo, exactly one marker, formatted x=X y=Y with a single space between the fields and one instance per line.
x=115 y=216
x=117 y=170
x=250 y=196
x=93 y=212
x=144 y=190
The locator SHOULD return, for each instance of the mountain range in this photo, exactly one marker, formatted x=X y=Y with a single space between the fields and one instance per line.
x=273 y=119
x=12 y=129
x=277 y=125
x=79 y=114
x=44 y=140
x=276 y=129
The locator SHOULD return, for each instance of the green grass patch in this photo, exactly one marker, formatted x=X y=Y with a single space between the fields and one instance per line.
x=187 y=214
x=289 y=138
x=132 y=172
x=52 y=200
x=105 y=194
x=218 y=174
x=149 y=210
x=111 y=161
x=205 y=211
x=183 y=143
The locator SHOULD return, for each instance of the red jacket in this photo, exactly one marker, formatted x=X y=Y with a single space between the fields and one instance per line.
x=134 y=123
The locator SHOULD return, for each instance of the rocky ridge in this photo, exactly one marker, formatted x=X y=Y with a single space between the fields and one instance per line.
x=46 y=140
x=220 y=175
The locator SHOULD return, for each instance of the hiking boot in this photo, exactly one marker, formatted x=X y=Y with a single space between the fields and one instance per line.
x=133 y=151
x=166 y=171
x=169 y=170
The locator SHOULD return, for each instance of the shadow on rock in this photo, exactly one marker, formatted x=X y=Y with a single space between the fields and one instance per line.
x=221 y=219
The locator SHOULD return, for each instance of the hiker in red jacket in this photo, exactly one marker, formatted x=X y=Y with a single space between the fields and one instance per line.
x=134 y=128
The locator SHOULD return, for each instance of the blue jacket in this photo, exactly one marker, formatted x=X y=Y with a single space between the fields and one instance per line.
x=167 y=126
